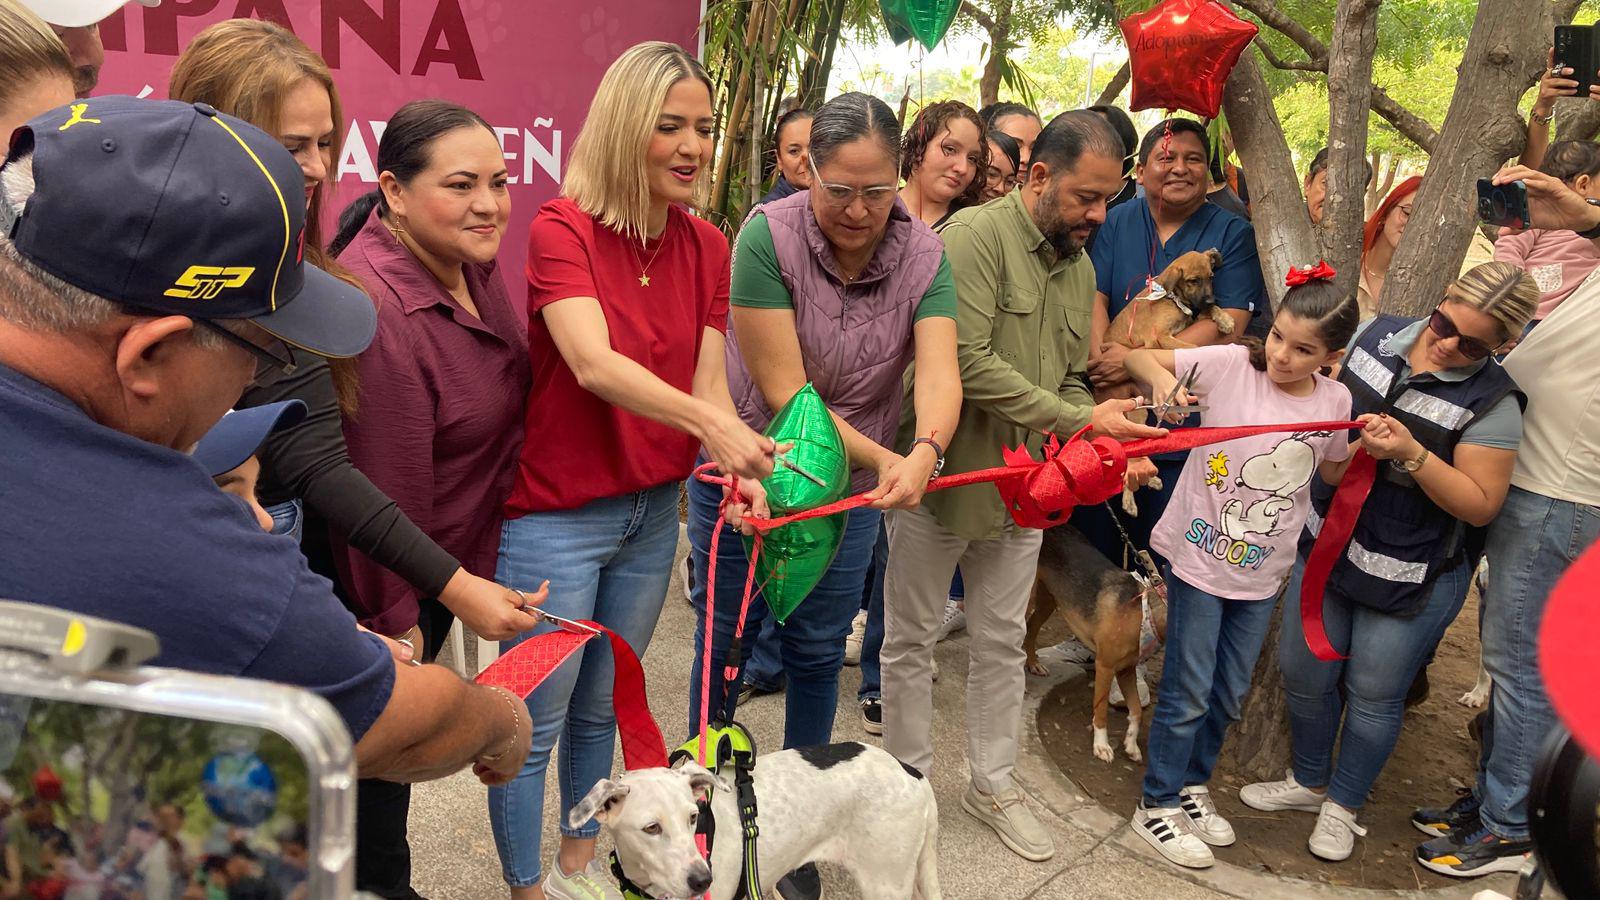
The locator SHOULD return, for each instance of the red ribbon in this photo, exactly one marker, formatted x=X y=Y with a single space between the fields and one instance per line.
x=1331 y=541
x=1305 y=274
x=525 y=666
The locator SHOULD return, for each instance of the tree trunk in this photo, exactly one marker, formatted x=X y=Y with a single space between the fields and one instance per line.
x=1577 y=119
x=1284 y=235
x=1257 y=748
x=1505 y=53
x=1114 y=90
x=1355 y=41
x=999 y=29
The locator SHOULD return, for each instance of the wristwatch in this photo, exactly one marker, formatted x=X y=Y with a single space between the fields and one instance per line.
x=938 y=453
x=1411 y=465
x=1590 y=234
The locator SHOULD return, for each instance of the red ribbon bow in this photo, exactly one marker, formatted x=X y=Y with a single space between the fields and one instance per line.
x=1299 y=275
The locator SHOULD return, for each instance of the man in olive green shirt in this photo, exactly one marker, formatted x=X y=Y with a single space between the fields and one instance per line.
x=1024 y=293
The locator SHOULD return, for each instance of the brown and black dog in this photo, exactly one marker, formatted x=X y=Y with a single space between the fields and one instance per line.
x=1102 y=605
x=1186 y=295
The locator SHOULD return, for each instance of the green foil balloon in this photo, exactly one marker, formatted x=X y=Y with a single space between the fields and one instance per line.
x=795 y=556
x=926 y=20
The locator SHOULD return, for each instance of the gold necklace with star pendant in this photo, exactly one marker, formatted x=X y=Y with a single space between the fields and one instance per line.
x=644 y=267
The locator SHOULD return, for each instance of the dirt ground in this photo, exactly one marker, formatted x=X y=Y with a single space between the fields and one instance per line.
x=1435 y=755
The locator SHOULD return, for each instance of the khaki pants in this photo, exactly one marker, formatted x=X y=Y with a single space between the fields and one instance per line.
x=999 y=578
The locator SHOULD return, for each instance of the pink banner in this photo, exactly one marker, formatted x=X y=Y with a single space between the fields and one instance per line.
x=530 y=67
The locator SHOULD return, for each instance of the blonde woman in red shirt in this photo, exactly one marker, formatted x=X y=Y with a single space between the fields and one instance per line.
x=627 y=305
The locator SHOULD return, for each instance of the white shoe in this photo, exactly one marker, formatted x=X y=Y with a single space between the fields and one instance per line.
x=1209 y=825
x=683 y=578
x=1334 y=837
x=1070 y=651
x=1121 y=702
x=1017 y=826
x=854 y=640
x=1273 y=796
x=588 y=883
x=955 y=619
x=1171 y=832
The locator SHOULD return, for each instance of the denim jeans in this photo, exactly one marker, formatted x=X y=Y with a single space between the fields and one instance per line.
x=609 y=561
x=1095 y=521
x=1385 y=652
x=765 y=668
x=811 y=641
x=872 y=642
x=1531 y=543
x=1212 y=646
x=288 y=518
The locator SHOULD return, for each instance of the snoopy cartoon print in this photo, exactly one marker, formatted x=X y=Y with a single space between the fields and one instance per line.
x=1279 y=474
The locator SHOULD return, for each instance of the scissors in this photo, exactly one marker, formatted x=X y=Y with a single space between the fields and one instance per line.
x=1166 y=403
x=561 y=622
x=783 y=459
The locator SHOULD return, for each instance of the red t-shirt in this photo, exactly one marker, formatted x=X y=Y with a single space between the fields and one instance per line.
x=578 y=447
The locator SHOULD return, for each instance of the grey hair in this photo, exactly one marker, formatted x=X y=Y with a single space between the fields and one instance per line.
x=37 y=300
x=1072 y=134
x=851 y=117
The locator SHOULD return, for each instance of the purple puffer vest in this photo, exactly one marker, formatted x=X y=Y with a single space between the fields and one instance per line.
x=856 y=341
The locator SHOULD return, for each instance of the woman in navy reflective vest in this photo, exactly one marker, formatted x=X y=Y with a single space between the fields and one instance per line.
x=1444 y=421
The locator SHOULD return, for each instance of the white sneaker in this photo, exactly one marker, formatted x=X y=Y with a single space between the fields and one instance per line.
x=1171 y=832
x=1273 y=796
x=1121 y=702
x=1334 y=837
x=1016 y=825
x=854 y=640
x=955 y=619
x=1071 y=651
x=588 y=883
x=1209 y=825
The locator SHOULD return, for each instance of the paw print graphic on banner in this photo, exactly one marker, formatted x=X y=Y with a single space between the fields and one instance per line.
x=602 y=41
x=1217 y=471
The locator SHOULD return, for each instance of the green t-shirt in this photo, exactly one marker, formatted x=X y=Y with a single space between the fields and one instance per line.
x=757 y=282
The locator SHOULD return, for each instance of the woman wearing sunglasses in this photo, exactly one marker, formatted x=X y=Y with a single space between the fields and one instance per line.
x=1444 y=422
x=841 y=287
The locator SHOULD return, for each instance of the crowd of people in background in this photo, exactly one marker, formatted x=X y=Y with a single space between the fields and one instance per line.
x=946 y=285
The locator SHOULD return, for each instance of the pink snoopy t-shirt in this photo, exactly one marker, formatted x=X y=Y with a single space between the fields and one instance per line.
x=1237 y=511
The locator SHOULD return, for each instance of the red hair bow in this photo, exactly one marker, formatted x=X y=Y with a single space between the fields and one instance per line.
x=1299 y=275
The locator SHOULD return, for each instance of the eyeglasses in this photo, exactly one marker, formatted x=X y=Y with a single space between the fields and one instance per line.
x=269 y=365
x=1470 y=347
x=841 y=195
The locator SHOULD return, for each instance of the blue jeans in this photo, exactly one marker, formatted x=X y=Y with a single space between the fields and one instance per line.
x=1095 y=521
x=812 y=640
x=1385 y=652
x=1531 y=543
x=288 y=518
x=1212 y=645
x=765 y=669
x=609 y=561
x=872 y=642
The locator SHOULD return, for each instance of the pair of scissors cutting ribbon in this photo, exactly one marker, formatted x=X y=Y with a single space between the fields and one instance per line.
x=1165 y=404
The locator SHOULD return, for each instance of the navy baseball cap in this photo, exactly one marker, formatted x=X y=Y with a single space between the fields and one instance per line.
x=176 y=209
x=238 y=434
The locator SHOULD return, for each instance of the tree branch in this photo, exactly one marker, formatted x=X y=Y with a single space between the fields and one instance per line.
x=978 y=15
x=1114 y=88
x=1355 y=42
x=1415 y=128
x=1564 y=10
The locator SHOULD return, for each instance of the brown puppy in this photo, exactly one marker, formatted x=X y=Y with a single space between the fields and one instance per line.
x=1102 y=605
x=1186 y=295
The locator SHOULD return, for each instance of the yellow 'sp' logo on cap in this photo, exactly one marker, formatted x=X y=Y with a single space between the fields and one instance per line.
x=206 y=282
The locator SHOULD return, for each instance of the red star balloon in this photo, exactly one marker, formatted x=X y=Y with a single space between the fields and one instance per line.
x=1181 y=53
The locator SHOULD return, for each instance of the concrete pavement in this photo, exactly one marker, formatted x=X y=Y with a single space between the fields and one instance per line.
x=1096 y=856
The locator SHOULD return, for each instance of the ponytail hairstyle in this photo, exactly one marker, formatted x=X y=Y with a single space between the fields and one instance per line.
x=1313 y=298
x=404 y=152
x=1501 y=291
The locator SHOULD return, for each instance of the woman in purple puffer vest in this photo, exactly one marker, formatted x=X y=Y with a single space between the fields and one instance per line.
x=838 y=286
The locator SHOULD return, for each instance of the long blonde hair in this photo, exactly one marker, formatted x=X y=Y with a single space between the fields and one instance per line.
x=247 y=68
x=28 y=49
x=1501 y=291
x=606 y=172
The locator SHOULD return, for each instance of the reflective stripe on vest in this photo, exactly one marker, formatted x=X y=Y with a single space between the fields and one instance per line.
x=1388 y=568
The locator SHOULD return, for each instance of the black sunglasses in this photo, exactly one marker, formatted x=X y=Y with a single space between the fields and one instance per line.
x=1470 y=347
x=269 y=366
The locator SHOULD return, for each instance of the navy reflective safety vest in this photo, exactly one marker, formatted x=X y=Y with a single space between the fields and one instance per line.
x=1402 y=539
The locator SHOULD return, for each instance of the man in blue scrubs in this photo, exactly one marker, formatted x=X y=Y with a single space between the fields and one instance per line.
x=1140 y=239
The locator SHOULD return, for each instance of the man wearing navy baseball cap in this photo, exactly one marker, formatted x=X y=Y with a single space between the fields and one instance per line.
x=152 y=271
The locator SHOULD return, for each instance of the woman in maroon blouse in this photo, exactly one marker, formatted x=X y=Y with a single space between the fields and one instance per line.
x=440 y=420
